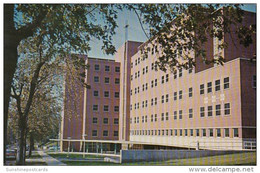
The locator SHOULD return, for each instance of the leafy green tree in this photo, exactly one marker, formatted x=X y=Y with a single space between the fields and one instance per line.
x=70 y=27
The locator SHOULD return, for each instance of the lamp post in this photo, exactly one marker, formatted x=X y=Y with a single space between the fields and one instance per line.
x=68 y=146
x=84 y=147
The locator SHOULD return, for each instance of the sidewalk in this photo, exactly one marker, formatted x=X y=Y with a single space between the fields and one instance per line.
x=50 y=160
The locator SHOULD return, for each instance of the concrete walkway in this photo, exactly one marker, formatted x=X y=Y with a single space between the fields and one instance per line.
x=50 y=160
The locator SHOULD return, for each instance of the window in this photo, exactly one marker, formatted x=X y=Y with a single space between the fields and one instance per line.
x=143 y=87
x=167 y=116
x=226 y=132
x=162 y=99
x=210 y=132
x=137 y=120
x=106 y=93
x=151 y=102
x=167 y=132
x=143 y=70
x=145 y=118
x=180 y=73
x=190 y=92
x=152 y=67
x=146 y=103
x=96 y=67
x=191 y=132
x=155 y=101
x=175 y=75
x=96 y=79
x=132 y=65
x=180 y=114
x=142 y=119
x=190 y=70
x=105 y=120
x=175 y=115
x=186 y=132
x=146 y=86
x=218 y=110
x=131 y=77
x=115 y=133
x=175 y=96
x=171 y=132
x=227 y=108
x=151 y=118
x=167 y=77
x=197 y=132
x=209 y=111
x=202 y=89
x=217 y=85
x=95 y=108
x=202 y=111
x=204 y=132
x=162 y=118
x=218 y=131
x=167 y=98
x=135 y=75
x=159 y=132
x=254 y=81
x=180 y=94
x=138 y=74
x=138 y=60
x=152 y=84
x=107 y=80
x=94 y=120
x=142 y=104
x=94 y=132
x=105 y=133
x=175 y=132
x=209 y=87
x=190 y=113
x=116 y=94
x=107 y=68
x=146 y=69
x=117 y=69
x=116 y=120
x=155 y=82
x=106 y=108
x=180 y=132
x=235 y=132
x=96 y=93
x=155 y=117
x=116 y=108
x=226 y=82
x=137 y=89
x=162 y=79
x=117 y=80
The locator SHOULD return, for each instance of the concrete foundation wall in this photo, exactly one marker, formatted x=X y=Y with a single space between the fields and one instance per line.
x=161 y=155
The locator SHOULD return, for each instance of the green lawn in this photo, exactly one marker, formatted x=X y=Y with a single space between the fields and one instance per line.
x=72 y=156
x=248 y=158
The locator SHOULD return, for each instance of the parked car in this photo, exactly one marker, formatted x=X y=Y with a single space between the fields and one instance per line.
x=10 y=154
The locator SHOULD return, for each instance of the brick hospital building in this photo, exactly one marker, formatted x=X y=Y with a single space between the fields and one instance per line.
x=210 y=106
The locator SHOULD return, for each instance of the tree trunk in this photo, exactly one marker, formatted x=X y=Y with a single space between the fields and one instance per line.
x=22 y=142
x=10 y=61
x=31 y=144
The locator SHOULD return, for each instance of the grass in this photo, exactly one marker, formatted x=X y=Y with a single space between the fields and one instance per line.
x=87 y=163
x=35 y=164
x=72 y=156
x=35 y=155
x=248 y=158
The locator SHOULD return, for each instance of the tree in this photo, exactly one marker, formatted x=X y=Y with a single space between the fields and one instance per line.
x=70 y=27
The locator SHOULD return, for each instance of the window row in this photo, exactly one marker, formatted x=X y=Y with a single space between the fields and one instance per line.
x=106 y=80
x=217 y=86
x=217 y=110
x=106 y=94
x=104 y=134
x=105 y=120
x=209 y=132
x=107 y=68
x=105 y=108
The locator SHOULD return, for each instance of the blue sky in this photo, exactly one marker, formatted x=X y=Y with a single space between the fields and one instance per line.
x=135 y=32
